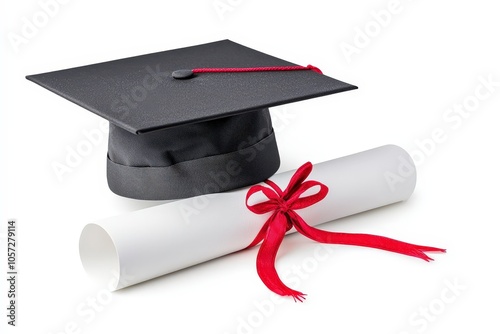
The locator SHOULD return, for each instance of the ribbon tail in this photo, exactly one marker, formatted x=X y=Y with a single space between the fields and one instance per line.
x=267 y=256
x=260 y=236
x=364 y=240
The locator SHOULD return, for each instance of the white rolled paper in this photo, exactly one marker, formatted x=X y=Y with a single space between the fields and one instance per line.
x=159 y=240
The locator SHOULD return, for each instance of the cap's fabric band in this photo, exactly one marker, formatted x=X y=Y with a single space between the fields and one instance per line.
x=283 y=204
x=190 y=178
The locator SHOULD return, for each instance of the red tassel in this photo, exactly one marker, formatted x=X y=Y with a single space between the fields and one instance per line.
x=255 y=69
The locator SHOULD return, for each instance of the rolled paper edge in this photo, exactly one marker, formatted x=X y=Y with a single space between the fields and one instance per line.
x=99 y=256
x=410 y=173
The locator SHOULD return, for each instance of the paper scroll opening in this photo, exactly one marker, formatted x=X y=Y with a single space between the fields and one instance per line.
x=99 y=255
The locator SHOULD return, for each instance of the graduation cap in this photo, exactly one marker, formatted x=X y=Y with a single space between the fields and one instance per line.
x=189 y=121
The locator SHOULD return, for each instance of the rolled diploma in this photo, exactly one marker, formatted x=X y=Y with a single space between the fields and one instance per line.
x=159 y=240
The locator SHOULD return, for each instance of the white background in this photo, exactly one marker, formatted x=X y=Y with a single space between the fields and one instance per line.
x=428 y=57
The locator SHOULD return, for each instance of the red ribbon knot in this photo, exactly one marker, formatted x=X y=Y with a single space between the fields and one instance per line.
x=283 y=204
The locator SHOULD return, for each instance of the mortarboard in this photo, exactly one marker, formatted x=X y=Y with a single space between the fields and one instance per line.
x=174 y=134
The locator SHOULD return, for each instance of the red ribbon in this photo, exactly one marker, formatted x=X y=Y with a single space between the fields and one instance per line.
x=283 y=204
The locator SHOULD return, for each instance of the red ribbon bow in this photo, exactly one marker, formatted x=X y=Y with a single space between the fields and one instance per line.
x=283 y=204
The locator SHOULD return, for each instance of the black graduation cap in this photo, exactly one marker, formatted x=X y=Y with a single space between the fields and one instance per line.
x=174 y=133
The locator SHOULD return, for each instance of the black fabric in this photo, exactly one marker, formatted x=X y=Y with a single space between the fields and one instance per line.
x=188 y=142
x=193 y=159
x=172 y=138
x=216 y=173
x=139 y=94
